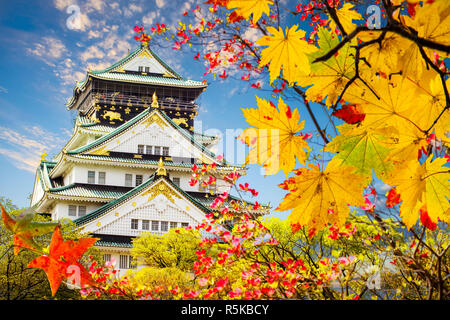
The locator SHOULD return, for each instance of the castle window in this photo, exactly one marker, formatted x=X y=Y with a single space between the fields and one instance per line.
x=81 y=211
x=134 y=224
x=145 y=224
x=165 y=151
x=128 y=180
x=184 y=224
x=91 y=177
x=173 y=225
x=141 y=68
x=140 y=149
x=148 y=149
x=147 y=69
x=138 y=179
x=102 y=178
x=164 y=225
x=123 y=262
x=157 y=150
x=176 y=181
x=107 y=257
x=72 y=211
x=155 y=225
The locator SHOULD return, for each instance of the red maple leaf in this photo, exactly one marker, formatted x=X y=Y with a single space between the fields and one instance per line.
x=350 y=113
x=62 y=255
x=393 y=198
x=425 y=219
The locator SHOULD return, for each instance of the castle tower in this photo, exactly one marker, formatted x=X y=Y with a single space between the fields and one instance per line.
x=127 y=166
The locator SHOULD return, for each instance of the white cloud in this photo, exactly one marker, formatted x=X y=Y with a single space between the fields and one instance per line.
x=94 y=34
x=160 y=3
x=252 y=34
x=63 y=4
x=48 y=50
x=114 y=5
x=148 y=19
x=92 y=52
x=25 y=149
x=3 y=90
x=132 y=9
x=95 y=5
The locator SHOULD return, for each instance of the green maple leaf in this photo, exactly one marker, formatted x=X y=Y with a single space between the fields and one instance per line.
x=25 y=229
x=364 y=148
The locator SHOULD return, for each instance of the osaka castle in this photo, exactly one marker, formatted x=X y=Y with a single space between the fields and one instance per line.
x=127 y=166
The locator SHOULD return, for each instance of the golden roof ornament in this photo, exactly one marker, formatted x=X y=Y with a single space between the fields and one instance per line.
x=155 y=101
x=161 y=170
x=43 y=156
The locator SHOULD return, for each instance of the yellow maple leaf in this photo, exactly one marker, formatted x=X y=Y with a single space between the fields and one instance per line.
x=328 y=78
x=405 y=144
x=287 y=51
x=431 y=22
x=391 y=106
x=431 y=96
x=274 y=136
x=346 y=16
x=383 y=56
x=320 y=197
x=422 y=184
x=245 y=8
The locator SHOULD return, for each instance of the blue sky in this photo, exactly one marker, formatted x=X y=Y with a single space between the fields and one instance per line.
x=42 y=58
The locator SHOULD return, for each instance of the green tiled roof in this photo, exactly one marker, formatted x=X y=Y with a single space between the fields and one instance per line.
x=131 y=55
x=103 y=209
x=101 y=243
x=42 y=172
x=147 y=79
x=129 y=160
x=87 y=123
x=100 y=211
x=85 y=191
x=110 y=74
x=206 y=201
x=113 y=133
x=167 y=164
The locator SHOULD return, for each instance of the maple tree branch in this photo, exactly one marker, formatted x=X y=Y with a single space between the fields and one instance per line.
x=311 y=113
x=442 y=75
x=332 y=12
x=393 y=28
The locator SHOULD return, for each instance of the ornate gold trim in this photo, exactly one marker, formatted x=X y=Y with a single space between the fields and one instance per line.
x=100 y=152
x=161 y=188
x=161 y=170
x=155 y=103
x=155 y=118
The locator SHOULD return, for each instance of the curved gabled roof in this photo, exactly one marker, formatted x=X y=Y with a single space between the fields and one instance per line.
x=116 y=73
x=135 y=120
x=125 y=197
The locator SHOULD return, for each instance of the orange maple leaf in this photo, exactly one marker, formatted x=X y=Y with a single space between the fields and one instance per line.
x=62 y=255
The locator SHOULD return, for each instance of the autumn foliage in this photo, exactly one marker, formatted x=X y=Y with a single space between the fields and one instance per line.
x=368 y=188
